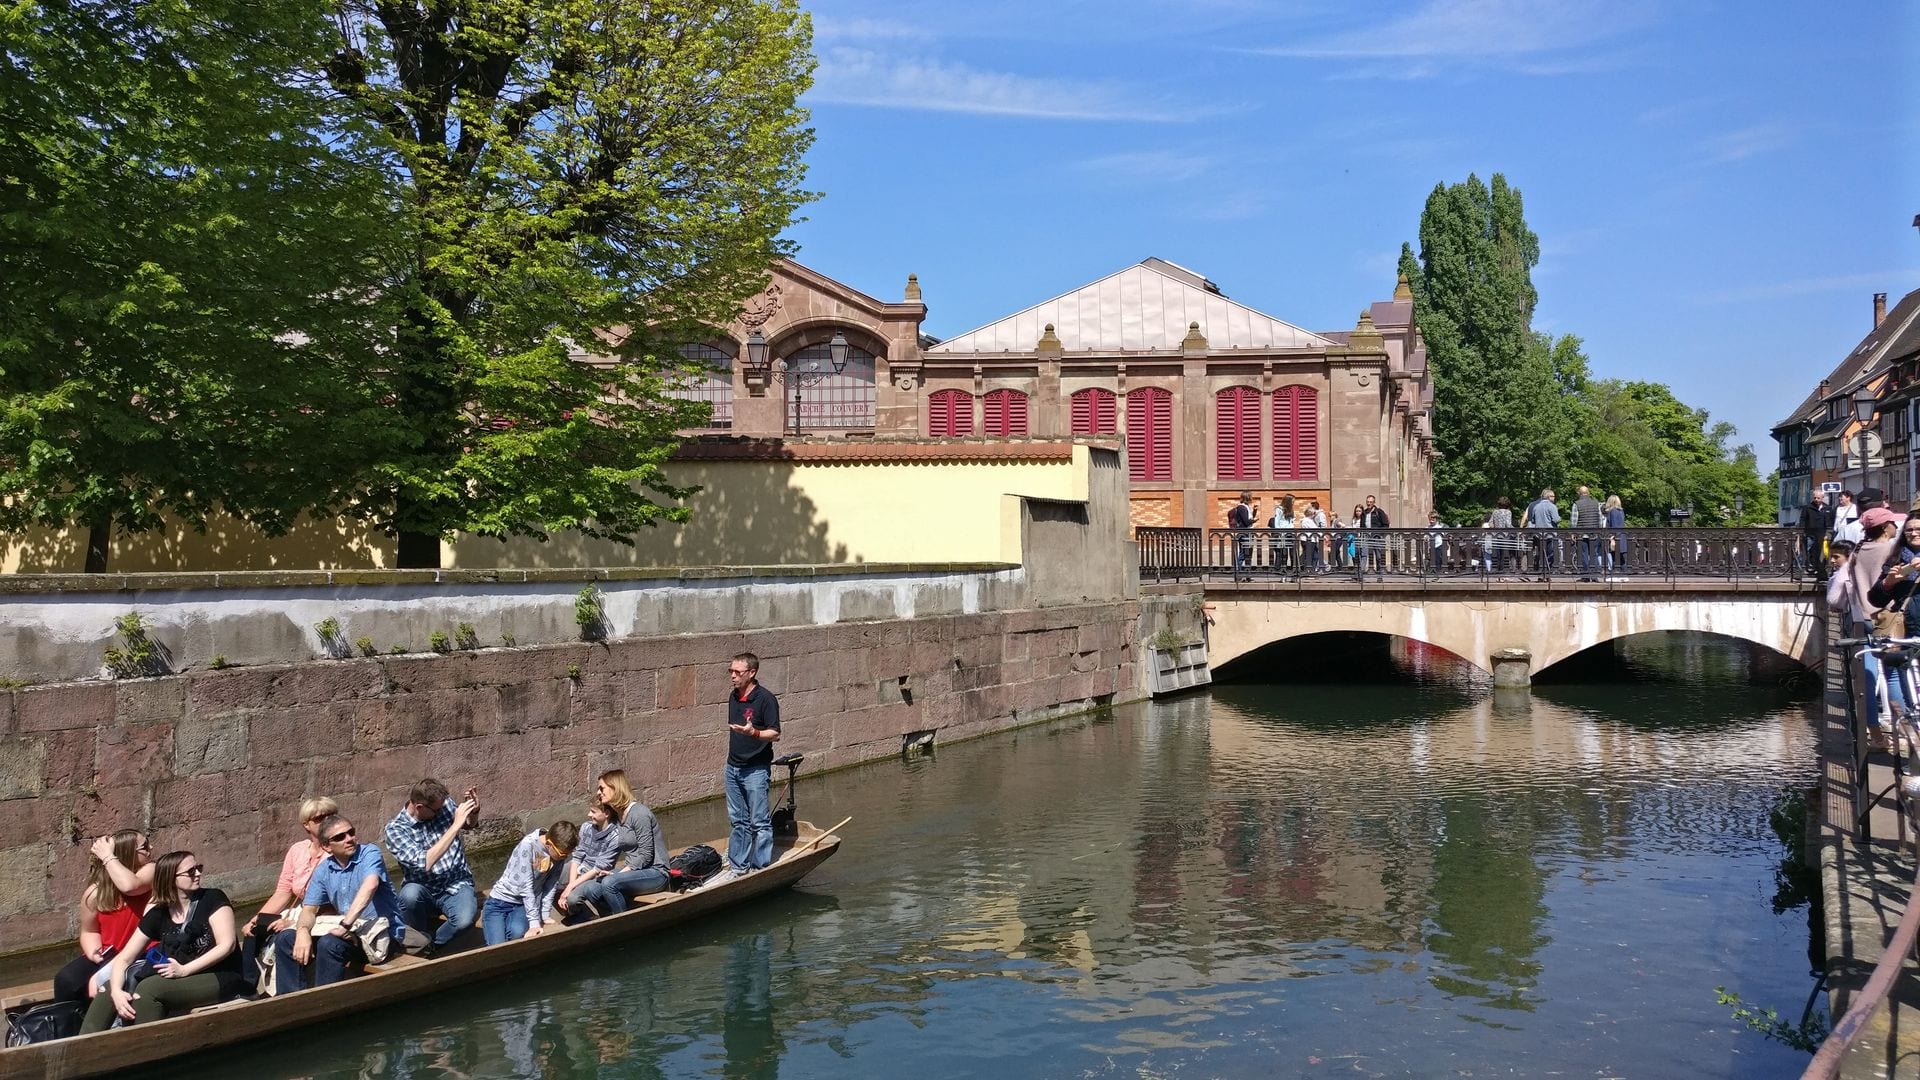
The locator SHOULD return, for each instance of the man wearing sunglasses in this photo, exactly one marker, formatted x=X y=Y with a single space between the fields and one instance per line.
x=352 y=881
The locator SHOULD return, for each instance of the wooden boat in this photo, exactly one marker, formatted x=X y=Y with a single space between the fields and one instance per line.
x=402 y=977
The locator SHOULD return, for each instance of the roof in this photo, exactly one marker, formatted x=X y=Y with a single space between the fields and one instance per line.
x=1145 y=307
x=1392 y=312
x=1865 y=359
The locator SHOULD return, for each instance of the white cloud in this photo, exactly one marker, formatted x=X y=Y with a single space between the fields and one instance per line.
x=829 y=28
x=1811 y=287
x=855 y=76
x=1746 y=142
x=1150 y=166
x=1481 y=30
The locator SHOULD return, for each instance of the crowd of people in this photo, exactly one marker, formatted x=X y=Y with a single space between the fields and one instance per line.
x=155 y=941
x=1872 y=557
x=1304 y=539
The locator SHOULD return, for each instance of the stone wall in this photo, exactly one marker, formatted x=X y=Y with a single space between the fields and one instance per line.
x=217 y=761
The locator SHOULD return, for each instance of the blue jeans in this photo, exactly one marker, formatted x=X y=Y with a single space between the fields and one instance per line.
x=750 y=844
x=418 y=909
x=331 y=955
x=502 y=920
x=610 y=893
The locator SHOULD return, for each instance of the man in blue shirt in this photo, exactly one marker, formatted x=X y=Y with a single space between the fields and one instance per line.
x=424 y=838
x=351 y=881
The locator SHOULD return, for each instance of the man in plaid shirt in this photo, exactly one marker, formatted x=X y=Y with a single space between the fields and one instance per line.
x=424 y=838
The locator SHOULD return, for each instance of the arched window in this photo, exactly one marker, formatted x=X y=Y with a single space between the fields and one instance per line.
x=1296 y=433
x=1236 y=433
x=1150 y=434
x=1095 y=412
x=950 y=414
x=845 y=400
x=715 y=387
x=1006 y=413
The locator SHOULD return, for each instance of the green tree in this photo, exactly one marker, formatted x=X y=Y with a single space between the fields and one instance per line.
x=602 y=174
x=1500 y=414
x=182 y=247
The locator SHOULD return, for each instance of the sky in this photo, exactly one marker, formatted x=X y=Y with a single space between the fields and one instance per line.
x=1718 y=188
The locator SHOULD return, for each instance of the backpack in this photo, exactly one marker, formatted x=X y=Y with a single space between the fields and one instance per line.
x=693 y=866
x=45 y=1023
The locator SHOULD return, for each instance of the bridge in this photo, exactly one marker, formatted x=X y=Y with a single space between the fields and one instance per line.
x=1513 y=602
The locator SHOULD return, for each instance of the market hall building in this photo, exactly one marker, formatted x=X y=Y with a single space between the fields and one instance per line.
x=1210 y=397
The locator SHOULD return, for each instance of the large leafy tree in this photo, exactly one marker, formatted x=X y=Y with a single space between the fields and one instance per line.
x=606 y=175
x=185 y=239
x=1499 y=415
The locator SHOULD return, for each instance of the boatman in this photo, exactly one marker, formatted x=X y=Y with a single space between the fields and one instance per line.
x=753 y=721
x=424 y=838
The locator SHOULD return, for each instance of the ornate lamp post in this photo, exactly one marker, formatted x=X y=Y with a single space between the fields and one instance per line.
x=1863 y=409
x=796 y=375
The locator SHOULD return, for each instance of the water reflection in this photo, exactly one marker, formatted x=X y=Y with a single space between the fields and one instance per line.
x=1266 y=881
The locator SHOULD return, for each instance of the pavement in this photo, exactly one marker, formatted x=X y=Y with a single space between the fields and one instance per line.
x=1867 y=868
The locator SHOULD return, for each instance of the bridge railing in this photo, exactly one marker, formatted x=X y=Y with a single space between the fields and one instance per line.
x=1490 y=555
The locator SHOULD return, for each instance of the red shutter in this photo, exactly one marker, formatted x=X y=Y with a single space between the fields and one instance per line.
x=1296 y=433
x=1150 y=434
x=950 y=414
x=1094 y=412
x=1006 y=413
x=1236 y=432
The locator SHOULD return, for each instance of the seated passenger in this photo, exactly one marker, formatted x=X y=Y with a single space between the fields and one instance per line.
x=296 y=870
x=645 y=870
x=604 y=843
x=518 y=905
x=424 y=838
x=352 y=882
x=200 y=947
x=119 y=880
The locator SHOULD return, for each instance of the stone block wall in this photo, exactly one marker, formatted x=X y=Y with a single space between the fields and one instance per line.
x=217 y=761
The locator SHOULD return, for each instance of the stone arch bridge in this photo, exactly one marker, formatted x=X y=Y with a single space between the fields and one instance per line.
x=1534 y=626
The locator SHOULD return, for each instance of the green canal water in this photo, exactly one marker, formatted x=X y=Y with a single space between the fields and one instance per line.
x=1399 y=875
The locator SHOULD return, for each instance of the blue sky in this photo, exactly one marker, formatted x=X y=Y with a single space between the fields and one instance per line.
x=1718 y=188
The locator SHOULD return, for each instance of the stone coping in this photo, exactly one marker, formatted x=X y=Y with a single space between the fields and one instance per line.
x=41 y=584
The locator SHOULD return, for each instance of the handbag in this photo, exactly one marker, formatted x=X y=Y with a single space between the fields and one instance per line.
x=1890 y=622
x=45 y=1023
x=375 y=935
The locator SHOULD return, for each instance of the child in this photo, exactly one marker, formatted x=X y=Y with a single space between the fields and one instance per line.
x=604 y=842
x=517 y=907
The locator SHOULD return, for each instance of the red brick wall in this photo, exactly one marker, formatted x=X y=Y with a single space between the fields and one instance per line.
x=217 y=762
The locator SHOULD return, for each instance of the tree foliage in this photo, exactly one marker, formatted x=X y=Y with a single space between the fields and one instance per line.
x=346 y=255
x=181 y=246
x=1516 y=410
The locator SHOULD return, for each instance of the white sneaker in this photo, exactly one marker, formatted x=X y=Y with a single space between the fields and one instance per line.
x=726 y=874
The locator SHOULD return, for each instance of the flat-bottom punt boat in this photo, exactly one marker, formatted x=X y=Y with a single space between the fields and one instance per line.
x=400 y=978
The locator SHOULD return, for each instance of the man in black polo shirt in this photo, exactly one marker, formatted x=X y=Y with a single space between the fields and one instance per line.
x=753 y=719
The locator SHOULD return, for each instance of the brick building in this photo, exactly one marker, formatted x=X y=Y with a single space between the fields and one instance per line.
x=1210 y=397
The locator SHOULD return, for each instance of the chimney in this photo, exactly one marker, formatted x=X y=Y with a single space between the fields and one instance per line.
x=1824 y=386
x=1879 y=309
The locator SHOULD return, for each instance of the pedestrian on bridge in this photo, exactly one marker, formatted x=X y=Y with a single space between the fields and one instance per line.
x=1373 y=518
x=1616 y=522
x=1587 y=520
x=1846 y=520
x=1816 y=523
x=1240 y=519
x=1543 y=515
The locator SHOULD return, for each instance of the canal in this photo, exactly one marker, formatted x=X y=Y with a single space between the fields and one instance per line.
x=1398 y=875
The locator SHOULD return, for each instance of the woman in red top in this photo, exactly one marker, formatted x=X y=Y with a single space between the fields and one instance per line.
x=119 y=881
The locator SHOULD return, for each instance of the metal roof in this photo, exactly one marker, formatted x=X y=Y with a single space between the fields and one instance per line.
x=1145 y=307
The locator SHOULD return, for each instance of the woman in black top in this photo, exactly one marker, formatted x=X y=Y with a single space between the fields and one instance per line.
x=194 y=929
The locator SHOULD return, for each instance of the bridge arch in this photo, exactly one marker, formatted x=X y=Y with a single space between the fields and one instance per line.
x=1549 y=627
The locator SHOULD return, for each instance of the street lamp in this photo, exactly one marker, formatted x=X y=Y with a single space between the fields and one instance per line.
x=794 y=374
x=1863 y=406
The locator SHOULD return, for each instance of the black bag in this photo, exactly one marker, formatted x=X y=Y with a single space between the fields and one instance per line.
x=693 y=866
x=45 y=1023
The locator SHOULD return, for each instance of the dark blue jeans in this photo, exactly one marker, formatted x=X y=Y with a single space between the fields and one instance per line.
x=331 y=955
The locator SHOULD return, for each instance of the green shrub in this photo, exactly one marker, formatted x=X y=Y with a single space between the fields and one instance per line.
x=437 y=641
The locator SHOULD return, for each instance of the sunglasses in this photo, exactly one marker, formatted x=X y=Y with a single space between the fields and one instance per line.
x=194 y=873
x=339 y=836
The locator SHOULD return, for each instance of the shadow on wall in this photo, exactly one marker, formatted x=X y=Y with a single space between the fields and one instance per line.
x=227 y=544
x=746 y=514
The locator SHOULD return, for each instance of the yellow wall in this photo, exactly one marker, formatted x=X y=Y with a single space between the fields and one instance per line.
x=748 y=513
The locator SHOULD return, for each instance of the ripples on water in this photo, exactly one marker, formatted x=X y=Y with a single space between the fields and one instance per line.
x=1420 y=879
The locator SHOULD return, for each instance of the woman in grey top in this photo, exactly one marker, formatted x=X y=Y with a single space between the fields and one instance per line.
x=645 y=868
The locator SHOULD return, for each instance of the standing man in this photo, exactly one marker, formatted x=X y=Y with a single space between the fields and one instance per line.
x=1816 y=521
x=1240 y=518
x=1544 y=515
x=424 y=838
x=1374 y=545
x=753 y=723
x=1586 y=524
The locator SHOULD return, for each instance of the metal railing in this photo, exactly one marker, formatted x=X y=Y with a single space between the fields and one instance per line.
x=1489 y=555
